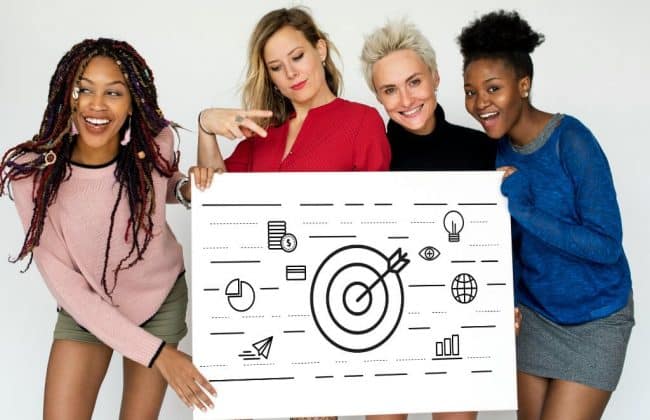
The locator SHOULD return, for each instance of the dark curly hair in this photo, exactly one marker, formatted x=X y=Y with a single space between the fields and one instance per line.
x=500 y=35
x=135 y=162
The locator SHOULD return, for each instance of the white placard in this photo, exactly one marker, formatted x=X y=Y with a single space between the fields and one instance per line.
x=319 y=294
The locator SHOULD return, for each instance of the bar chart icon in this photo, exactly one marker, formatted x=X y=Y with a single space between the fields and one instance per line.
x=448 y=347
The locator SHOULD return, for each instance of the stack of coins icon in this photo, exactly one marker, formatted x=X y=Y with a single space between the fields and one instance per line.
x=276 y=230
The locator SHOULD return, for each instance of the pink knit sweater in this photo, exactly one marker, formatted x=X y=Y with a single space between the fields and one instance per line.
x=70 y=255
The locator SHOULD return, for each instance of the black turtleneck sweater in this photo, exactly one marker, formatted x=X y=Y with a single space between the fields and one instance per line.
x=448 y=148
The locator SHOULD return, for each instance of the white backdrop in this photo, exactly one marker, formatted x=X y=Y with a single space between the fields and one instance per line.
x=593 y=65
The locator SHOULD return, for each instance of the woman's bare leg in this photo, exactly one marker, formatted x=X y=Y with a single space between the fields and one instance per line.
x=75 y=372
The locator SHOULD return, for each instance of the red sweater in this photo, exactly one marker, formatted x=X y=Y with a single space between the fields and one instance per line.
x=338 y=136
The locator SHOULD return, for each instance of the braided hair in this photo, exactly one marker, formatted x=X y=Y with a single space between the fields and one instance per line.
x=46 y=157
x=501 y=35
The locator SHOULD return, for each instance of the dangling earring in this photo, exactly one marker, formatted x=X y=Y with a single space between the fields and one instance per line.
x=75 y=97
x=525 y=94
x=127 y=133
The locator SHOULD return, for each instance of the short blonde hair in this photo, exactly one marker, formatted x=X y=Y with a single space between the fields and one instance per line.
x=394 y=36
x=258 y=90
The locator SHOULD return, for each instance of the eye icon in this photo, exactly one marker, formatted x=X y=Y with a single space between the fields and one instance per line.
x=429 y=253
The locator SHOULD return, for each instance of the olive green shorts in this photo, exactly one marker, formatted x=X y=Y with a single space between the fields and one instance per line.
x=168 y=323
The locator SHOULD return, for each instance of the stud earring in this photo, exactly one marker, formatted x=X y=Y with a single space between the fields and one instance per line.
x=127 y=133
x=525 y=94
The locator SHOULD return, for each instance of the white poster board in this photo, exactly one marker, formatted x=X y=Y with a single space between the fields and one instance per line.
x=319 y=294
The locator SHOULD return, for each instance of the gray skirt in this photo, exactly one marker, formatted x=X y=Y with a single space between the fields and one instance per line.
x=592 y=353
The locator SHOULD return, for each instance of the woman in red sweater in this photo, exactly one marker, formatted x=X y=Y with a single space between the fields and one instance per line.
x=90 y=189
x=293 y=119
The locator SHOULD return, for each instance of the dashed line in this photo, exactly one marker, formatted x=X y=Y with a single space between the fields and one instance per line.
x=374 y=360
x=379 y=222
x=298 y=316
x=206 y=366
x=305 y=363
x=315 y=223
x=438 y=312
x=416 y=222
x=259 y=364
x=252 y=316
x=478 y=221
x=478 y=357
x=251 y=247
x=488 y=310
x=414 y=313
x=216 y=247
x=341 y=361
x=233 y=223
x=411 y=360
x=220 y=317
x=483 y=244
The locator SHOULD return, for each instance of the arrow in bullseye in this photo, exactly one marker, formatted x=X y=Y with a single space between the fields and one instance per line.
x=396 y=263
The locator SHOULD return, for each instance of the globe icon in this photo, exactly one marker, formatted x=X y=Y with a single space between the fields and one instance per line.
x=464 y=288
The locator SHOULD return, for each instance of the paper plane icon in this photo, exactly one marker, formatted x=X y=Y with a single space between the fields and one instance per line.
x=263 y=347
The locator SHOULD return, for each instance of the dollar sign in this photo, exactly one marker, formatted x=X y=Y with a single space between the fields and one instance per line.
x=288 y=242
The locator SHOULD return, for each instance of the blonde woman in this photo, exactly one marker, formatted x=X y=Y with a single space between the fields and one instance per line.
x=293 y=119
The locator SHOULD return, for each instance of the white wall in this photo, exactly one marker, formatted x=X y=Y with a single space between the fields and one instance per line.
x=592 y=66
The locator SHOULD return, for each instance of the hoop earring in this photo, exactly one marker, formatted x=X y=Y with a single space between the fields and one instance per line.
x=127 y=133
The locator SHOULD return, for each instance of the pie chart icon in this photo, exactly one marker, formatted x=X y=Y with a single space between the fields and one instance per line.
x=240 y=294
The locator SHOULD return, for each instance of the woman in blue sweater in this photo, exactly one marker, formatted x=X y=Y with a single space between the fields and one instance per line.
x=571 y=275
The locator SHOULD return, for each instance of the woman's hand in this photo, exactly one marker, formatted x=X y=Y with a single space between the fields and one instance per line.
x=507 y=170
x=184 y=378
x=232 y=123
x=202 y=177
x=518 y=319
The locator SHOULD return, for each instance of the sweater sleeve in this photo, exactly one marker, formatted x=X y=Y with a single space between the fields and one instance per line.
x=596 y=236
x=76 y=296
x=371 y=148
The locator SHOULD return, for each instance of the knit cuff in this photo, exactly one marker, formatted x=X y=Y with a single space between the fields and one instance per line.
x=155 y=356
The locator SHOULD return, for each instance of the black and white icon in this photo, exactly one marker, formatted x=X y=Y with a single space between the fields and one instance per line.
x=357 y=297
x=263 y=347
x=296 y=272
x=279 y=238
x=464 y=288
x=453 y=223
x=288 y=243
x=429 y=253
x=240 y=294
x=449 y=347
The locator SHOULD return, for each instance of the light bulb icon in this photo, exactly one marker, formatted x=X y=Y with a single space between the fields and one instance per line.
x=453 y=223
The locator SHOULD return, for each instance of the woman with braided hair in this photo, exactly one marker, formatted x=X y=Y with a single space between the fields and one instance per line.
x=91 y=189
x=572 y=280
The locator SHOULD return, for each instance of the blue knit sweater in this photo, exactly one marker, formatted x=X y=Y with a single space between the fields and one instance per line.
x=567 y=237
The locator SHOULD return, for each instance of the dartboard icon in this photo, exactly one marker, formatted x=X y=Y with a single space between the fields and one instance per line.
x=357 y=297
